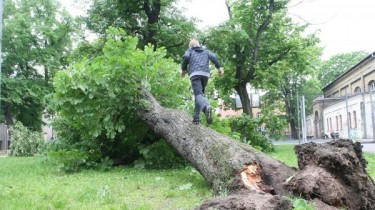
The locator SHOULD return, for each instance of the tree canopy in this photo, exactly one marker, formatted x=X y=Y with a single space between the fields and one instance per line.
x=156 y=22
x=36 y=42
x=97 y=98
x=258 y=41
x=332 y=68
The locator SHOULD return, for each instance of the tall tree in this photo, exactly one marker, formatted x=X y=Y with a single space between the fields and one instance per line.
x=156 y=22
x=299 y=78
x=332 y=68
x=254 y=44
x=36 y=40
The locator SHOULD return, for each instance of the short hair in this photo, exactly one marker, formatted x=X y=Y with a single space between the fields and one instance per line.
x=193 y=43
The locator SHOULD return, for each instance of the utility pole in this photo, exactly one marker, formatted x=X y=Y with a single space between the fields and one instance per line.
x=303 y=117
x=372 y=115
x=1 y=54
x=1 y=62
x=371 y=90
x=348 y=121
x=298 y=120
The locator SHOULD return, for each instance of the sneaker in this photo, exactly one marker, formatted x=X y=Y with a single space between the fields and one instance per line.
x=196 y=121
x=208 y=113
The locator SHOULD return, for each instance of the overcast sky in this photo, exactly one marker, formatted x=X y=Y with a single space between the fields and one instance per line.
x=345 y=25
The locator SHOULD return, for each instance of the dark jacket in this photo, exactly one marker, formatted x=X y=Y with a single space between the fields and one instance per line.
x=197 y=59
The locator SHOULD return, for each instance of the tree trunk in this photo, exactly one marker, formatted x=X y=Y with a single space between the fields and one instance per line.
x=291 y=109
x=245 y=101
x=231 y=166
x=217 y=157
x=152 y=10
x=293 y=124
x=8 y=114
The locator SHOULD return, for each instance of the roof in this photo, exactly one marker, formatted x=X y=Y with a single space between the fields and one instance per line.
x=371 y=55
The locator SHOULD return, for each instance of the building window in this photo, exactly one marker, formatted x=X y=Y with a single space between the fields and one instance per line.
x=340 y=123
x=349 y=120
x=330 y=124
x=357 y=90
x=259 y=114
x=372 y=85
x=337 y=123
x=327 y=125
x=355 y=119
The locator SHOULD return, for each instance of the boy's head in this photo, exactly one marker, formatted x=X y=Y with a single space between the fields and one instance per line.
x=193 y=43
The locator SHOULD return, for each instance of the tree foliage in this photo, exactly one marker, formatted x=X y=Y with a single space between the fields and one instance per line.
x=258 y=41
x=97 y=98
x=36 y=41
x=247 y=127
x=24 y=141
x=337 y=65
x=299 y=71
x=156 y=22
x=261 y=45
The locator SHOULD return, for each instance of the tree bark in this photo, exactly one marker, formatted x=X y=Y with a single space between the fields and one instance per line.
x=245 y=100
x=325 y=169
x=8 y=113
x=292 y=122
x=152 y=10
x=217 y=157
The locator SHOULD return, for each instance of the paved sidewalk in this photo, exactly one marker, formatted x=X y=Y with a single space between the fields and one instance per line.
x=368 y=145
x=3 y=154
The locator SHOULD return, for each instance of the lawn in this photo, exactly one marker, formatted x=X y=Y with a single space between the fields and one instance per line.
x=29 y=183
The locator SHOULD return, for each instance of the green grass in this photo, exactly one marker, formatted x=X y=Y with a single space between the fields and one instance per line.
x=370 y=157
x=27 y=183
x=285 y=153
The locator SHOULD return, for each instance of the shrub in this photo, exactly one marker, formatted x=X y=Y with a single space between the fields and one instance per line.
x=249 y=134
x=25 y=142
x=159 y=155
x=68 y=160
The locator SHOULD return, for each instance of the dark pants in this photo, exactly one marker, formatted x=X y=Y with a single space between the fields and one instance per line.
x=199 y=84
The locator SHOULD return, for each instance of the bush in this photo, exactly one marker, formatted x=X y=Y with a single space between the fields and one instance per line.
x=68 y=160
x=159 y=155
x=249 y=134
x=74 y=157
x=25 y=142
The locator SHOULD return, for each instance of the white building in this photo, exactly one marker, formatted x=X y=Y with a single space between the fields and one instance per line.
x=347 y=105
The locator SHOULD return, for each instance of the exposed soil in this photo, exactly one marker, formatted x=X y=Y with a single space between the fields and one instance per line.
x=335 y=173
x=249 y=200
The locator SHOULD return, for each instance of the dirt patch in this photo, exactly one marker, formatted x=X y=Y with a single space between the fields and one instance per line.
x=335 y=173
x=249 y=200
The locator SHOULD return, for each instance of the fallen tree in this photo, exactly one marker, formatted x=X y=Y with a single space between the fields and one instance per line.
x=332 y=175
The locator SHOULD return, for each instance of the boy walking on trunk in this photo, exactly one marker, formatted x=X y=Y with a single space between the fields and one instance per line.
x=196 y=64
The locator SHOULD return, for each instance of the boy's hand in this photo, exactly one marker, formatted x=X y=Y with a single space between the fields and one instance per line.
x=221 y=71
x=183 y=73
